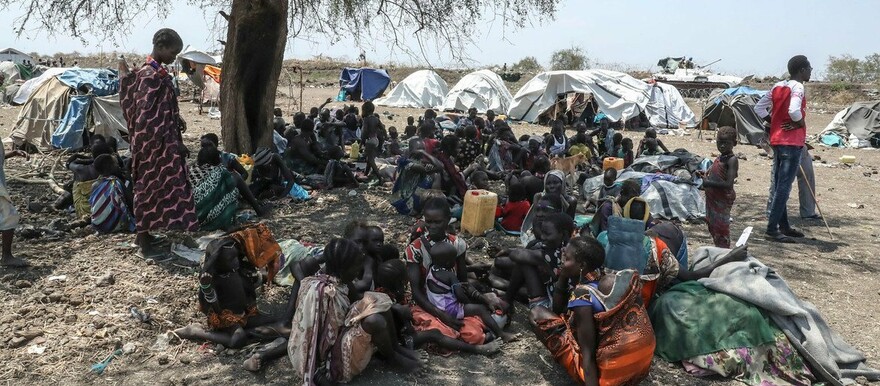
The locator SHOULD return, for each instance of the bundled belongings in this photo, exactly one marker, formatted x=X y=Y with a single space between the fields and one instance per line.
x=669 y=197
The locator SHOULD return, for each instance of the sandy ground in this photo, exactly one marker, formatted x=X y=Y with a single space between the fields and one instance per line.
x=80 y=321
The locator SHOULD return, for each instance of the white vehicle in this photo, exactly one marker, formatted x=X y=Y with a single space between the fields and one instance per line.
x=693 y=80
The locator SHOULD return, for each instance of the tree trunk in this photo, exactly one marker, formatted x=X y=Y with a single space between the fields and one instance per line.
x=255 y=42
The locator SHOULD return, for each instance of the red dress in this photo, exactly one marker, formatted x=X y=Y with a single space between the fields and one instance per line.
x=719 y=201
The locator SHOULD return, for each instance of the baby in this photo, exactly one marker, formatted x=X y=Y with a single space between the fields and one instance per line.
x=454 y=298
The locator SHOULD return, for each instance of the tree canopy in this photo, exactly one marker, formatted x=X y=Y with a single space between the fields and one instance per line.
x=432 y=26
x=574 y=58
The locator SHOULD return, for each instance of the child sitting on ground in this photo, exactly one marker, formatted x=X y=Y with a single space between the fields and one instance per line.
x=110 y=200
x=453 y=297
x=626 y=152
x=538 y=266
x=652 y=147
x=512 y=213
x=84 y=175
x=391 y=280
x=617 y=146
x=479 y=180
x=580 y=145
x=393 y=148
x=648 y=147
x=718 y=183
x=411 y=129
x=229 y=160
x=469 y=148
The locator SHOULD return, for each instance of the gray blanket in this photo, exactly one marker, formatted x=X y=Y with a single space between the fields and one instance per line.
x=832 y=358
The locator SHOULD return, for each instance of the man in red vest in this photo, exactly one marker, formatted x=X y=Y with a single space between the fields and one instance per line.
x=785 y=108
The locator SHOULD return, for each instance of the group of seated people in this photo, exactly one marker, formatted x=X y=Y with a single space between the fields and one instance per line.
x=586 y=287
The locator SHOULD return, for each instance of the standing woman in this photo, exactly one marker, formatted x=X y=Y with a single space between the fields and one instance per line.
x=162 y=194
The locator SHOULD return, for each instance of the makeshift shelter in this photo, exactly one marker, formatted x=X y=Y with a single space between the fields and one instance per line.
x=736 y=107
x=483 y=90
x=667 y=108
x=363 y=83
x=13 y=72
x=63 y=107
x=15 y=56
x=618 y=95
x=421 y=89
x=856 y=126
x=667 y=196
x=24 y=93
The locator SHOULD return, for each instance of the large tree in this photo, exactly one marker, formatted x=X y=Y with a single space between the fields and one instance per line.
x=257 y=33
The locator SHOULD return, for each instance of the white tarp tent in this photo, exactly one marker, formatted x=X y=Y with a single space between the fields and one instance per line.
x=618 y=95
x=196 y=56
x=24 y=93
x=482 y=89
x=421 y=89
x=667 y=108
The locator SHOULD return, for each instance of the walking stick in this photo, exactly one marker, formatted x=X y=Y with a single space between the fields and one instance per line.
x=813 y=194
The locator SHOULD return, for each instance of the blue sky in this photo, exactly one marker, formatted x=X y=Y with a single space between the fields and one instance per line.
x=750 y=36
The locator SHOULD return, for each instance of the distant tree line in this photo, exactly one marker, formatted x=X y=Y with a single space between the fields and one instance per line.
x=846 y=68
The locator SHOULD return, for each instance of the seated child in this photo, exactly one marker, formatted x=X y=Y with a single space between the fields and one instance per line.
x=110 y=199
x=84 y=175
x=651 y=145
x=278 y=121
x=479 y=180
x=579 y=145
x=453 y=297
x=229 y=160
x=626 y=152
x=512 y=213
x=538 y=266
x=393 y=148
x=411 y=129
x=469 y=148
x=227 y=296
x=617 y=147
x=271 y=177
x=391 y=280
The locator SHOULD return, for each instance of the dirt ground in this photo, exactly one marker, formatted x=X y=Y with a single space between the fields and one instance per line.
x=79 y=319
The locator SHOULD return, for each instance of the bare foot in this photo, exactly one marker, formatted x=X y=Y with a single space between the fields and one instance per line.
x=13 y=262
x=253 y=363
x=189 y=332
x=406 y=364
x=508 y=337
x=489 y=348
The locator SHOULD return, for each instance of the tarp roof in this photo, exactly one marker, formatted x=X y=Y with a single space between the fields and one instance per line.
x=421 y=89
x=483 y=90
x=737 y=111
x=861 y=119
x=618 y=95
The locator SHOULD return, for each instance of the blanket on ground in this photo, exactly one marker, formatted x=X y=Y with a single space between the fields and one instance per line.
x=833 y=359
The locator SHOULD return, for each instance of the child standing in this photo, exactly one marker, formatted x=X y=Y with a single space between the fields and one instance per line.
x=410 y=130
x=8 y=215
x=626 y=152
x=456 y=299
x=718 y=183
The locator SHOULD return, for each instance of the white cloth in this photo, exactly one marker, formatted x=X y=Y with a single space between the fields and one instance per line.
x=8 y=215
x=762 y=108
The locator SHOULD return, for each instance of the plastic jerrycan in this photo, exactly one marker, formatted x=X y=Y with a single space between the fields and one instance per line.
x=612 y=162
x=478 y=215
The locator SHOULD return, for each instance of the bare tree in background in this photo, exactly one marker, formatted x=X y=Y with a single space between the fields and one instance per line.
x=258 y=30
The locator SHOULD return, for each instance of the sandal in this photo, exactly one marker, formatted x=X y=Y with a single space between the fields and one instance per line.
x=779 y=238
x=156 y=256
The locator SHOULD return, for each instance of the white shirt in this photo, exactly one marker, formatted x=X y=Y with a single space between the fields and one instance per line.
x=762 y=108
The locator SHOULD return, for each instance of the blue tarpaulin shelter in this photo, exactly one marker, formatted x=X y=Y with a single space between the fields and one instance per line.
x=97 y=82
x=364 y=83
x=741 y=90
